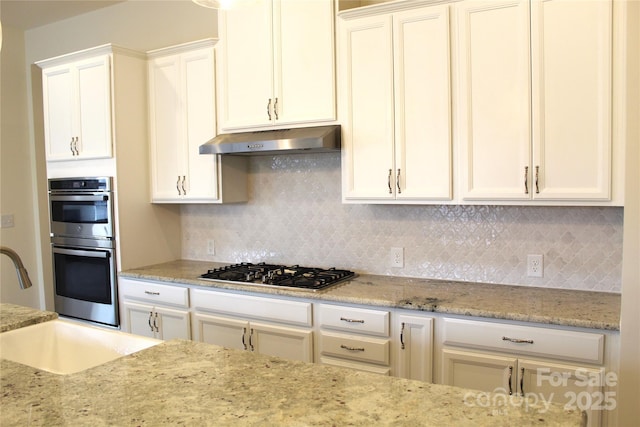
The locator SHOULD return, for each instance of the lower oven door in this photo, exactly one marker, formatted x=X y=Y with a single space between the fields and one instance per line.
x=85 y=283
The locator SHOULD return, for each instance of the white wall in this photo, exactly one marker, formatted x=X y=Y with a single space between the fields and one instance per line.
x=16 y=177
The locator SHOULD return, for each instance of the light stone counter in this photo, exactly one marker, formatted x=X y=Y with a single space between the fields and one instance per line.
x=196 y=384
x=597 y=310
x=16 y=316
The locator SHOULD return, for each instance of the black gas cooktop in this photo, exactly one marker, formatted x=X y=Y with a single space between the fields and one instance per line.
x=291 y=277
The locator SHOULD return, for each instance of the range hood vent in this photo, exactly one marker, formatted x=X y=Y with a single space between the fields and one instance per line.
x=281 y=141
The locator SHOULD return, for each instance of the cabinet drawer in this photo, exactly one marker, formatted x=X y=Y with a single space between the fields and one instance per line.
x=545 y=342
x=351 y=319
x=153 y=292
x=366 y=349
x=247 y=306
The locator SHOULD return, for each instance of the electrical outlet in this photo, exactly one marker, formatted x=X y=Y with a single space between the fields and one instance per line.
x=397 y=257
x=7 y=221
x=535 y=266
x=211 y=247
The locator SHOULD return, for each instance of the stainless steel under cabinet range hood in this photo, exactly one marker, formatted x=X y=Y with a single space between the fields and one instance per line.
x=282 y=141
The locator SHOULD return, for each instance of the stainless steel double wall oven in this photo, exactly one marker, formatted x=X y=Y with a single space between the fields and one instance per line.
x=83 y=244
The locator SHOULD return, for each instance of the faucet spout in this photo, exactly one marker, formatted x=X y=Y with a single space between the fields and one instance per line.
x=23 y=276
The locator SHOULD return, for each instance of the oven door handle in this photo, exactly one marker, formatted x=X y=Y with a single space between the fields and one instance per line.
x=80 y=252
x=86 y=197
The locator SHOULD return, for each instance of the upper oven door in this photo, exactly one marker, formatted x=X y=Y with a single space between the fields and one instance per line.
x=84 y=215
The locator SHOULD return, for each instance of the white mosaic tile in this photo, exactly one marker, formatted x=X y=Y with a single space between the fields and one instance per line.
x=295 y=216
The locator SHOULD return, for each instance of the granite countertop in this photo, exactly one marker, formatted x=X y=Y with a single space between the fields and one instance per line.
x=16 y=316
x=597 y=310
x=188 y=383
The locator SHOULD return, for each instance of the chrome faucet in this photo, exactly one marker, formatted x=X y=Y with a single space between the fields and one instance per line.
x=23 y=276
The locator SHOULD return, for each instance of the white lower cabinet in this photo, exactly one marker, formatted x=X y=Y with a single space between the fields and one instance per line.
x=413 y=346
x=154 y=310
x=275 y=327
x=356 y=338
x=547 y=364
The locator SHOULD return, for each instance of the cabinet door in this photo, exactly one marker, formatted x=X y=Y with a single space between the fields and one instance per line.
x=138 y=319
x=368 y=124
x=422 y=104
x=199 y=118
x=222 y=331
x=172 y=323
x=280 y=341
x=415 y=347
x=493 y=101
x=166 y=124
x=572 y=385
x=571 y=87
x=58 y=109
x=245 y=68
x=485 y=372
x=94 y=108
x=304 y=61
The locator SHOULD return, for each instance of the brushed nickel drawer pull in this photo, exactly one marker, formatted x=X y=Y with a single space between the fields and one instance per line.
x=517 y=340
x=275 y=108
x=510 y=380
x=344 y=319
x=150 y=317
x=398 y=181
x=522 y=382
x=537 y=178
x=151 y=293
x=244 y=332
x=402 y=337
x=346 y=347
x=389 y=181
x=526 y=180
x=269 y=109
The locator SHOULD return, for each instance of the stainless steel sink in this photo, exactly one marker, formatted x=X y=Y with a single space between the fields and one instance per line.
x=65 y=347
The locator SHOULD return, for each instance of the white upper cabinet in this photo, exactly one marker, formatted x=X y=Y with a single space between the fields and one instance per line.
x=572 y=90
x=77 y=108
x=533 y=100
x=276 y=64
x=182 y=117
x=395 y=105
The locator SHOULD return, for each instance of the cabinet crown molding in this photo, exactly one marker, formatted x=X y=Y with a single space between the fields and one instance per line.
x=392 y=6
x=88 y=53
x=170 y=50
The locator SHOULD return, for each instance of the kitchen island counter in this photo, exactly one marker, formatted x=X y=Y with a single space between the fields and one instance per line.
x=596 y=310
x=16 y=316
x=187 y=383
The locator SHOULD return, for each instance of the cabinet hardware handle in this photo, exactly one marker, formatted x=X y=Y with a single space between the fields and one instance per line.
x=251 y=340
x=275 y=108
x=184 y=191
x=510 y=378
x=402 y=336
x=155 y=322
x=526 y=180
x=178 y=185
x=151 y=293
x=389 y=182
x=517 y=340
x=344 y=319
x=150 y=316
x=269 y=109
x=398 y=181
x=72 y=145
x=346 y=347
x=244 y=332
x=75 y=146
x=537 y=176
x=521 y=381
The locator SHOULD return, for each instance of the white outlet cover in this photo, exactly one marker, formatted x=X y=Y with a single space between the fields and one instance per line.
x=535 y=266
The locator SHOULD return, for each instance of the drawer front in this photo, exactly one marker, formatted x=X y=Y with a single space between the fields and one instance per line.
x=525 y=340
x=154 y=293
x=247 y=306
x=364 y=349
x=357 y=320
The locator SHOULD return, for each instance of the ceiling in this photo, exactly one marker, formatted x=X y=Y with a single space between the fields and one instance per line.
x=27 y=14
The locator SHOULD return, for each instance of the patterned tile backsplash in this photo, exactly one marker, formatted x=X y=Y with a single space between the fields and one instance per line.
x=295 y=216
